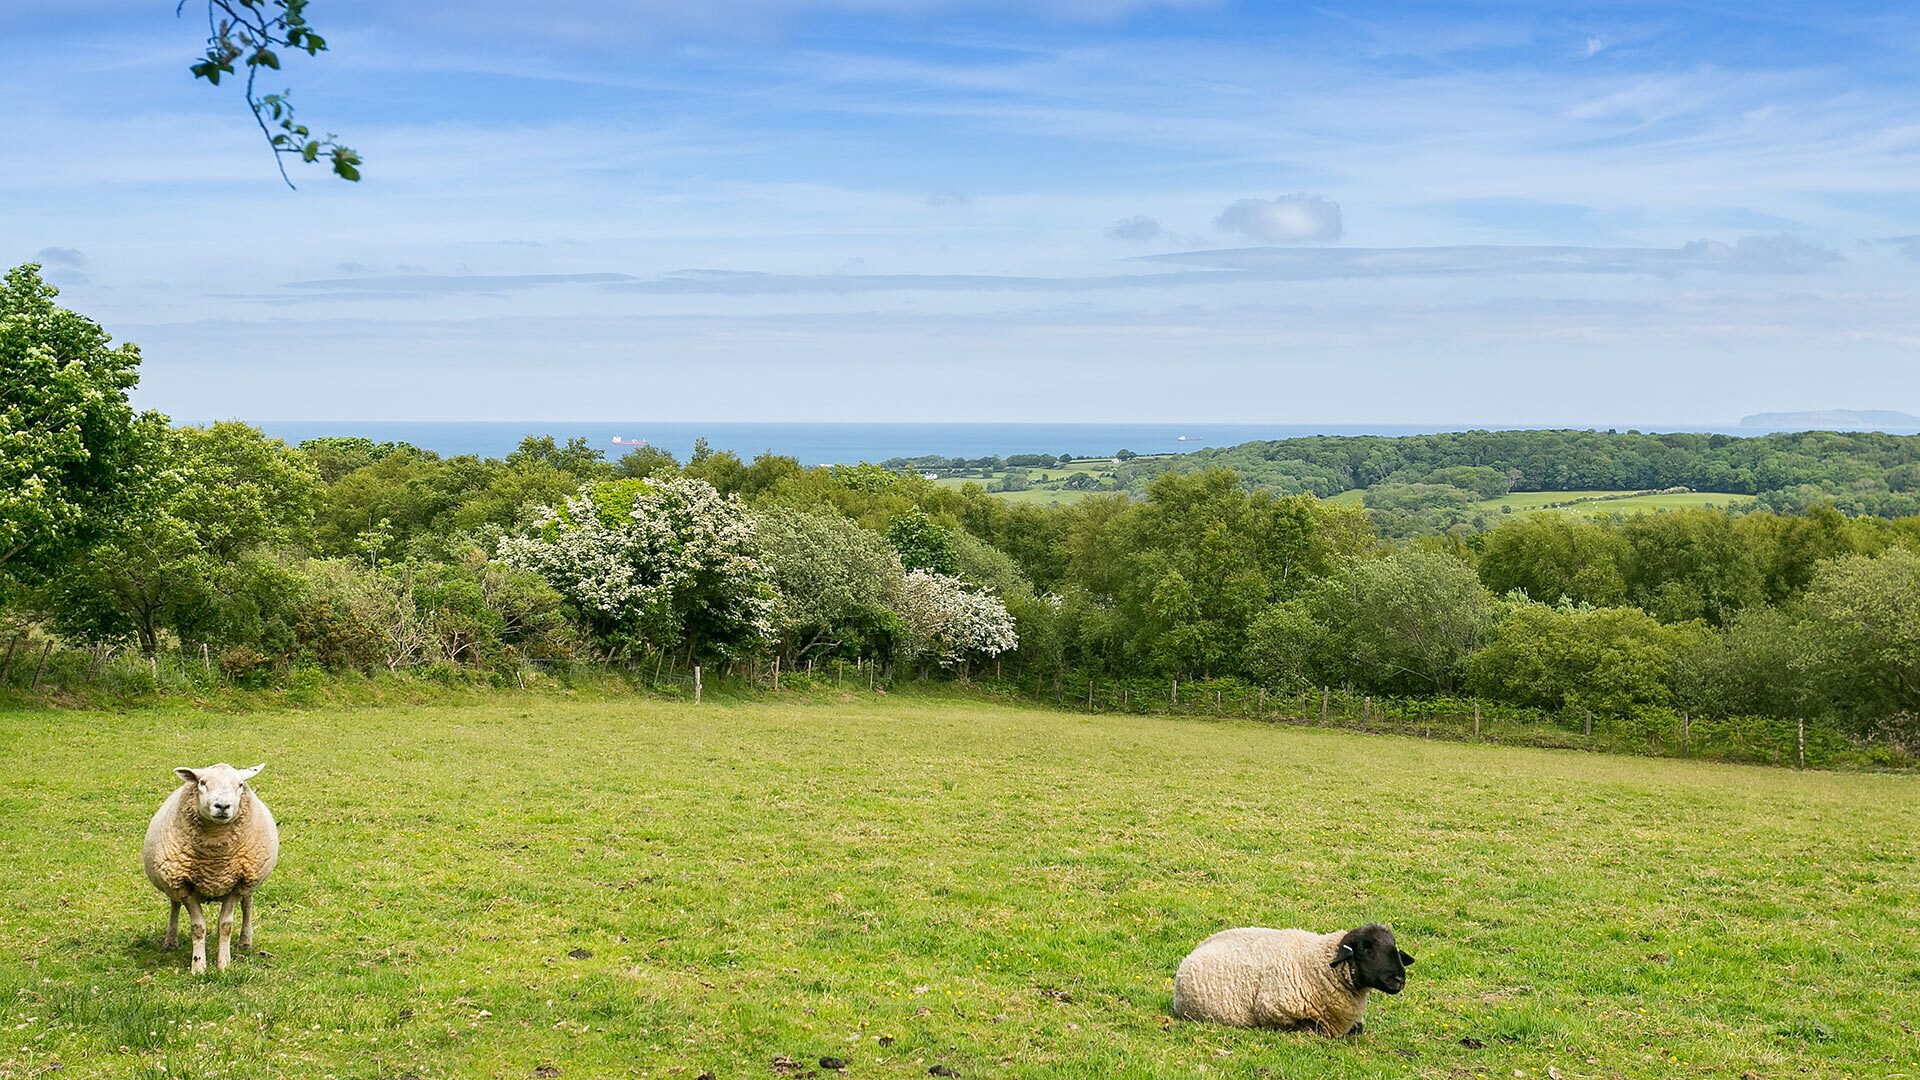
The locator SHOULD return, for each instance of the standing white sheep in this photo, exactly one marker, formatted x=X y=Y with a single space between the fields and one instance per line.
x=1294 y=979
x=213 y=839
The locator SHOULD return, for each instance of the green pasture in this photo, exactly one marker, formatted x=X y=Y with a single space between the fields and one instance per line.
x=1608 y=502
x=541 y=885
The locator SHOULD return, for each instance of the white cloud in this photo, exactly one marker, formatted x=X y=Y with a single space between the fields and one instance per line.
x=1288 y=219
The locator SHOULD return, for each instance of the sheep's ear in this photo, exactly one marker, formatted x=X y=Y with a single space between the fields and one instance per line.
x=1405 y=960
x=1345 y=954
x=248 y=774
x=188 y=775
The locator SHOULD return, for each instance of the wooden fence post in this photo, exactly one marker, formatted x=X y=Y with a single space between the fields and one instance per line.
x=1686 y=733
x=6 y=669
x=1589 y=727
x=1366 y=711
x=206 y=659
x=43 y=665
x=1176 y=691
x=696 y=684
x=1260 y=703
x=1325 y=694
x=1800 y=740
x=1089 y=693
x=1476 y=718
x=776 y=674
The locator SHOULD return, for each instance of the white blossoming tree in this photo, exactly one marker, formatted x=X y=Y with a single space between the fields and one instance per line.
x=946 y=621
x=654 y=564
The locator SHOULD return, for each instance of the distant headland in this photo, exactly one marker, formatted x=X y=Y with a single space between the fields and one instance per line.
x=1833 y=420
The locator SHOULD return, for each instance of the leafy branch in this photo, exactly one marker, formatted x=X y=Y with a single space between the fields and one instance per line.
x=248 y=33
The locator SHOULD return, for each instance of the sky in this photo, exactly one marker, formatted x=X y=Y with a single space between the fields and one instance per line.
x=997 y=210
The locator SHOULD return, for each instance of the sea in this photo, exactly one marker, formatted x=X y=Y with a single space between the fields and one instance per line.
x=846 y=444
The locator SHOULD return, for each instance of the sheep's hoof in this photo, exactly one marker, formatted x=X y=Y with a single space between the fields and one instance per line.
x=1358 y=1029
x=172 y=941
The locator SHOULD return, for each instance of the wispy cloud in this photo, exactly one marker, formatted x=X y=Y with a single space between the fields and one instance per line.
x=1748 y=255
x=1905 y=245
x=903 y=187
x=1288 y=219
x=451 y=283
x=65 y=257
x=1139 y=228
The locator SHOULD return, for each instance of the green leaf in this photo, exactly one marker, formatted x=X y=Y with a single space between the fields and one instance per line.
x=310 y=152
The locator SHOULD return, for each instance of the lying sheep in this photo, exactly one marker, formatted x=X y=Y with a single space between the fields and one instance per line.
x=1290 y=979
x=213 y=839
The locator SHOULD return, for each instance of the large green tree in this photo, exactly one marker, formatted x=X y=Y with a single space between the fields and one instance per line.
x=75 y=459
x=1609 y=659
x=1553 y=557
x=183 y=563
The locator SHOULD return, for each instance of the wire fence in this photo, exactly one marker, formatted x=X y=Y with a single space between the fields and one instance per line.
x=40 y=667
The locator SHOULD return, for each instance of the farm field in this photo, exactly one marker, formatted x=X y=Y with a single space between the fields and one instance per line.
x=540 y=885
x=1608 y=502
x=1584 y=502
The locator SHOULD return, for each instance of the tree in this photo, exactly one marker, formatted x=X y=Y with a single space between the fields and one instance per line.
x=1610 y=659
x=75 y=460
x=252 y=33
x=1766 y=663
x=835 y=584
x=923 y=544
x=1554 y=557
x=1690 y=564
x=228 y=490
x=1287 y=647
x=1191 y=567
x=1405 y=623
x=1865 y=613
x=656 y=564
x=577 y=457
x=945 y=620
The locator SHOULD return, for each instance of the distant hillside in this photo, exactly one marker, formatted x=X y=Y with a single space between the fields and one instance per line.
x=1833 y=420
x=1859 y=472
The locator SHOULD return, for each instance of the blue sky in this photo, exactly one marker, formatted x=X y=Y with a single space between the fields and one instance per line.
x=1051 y=210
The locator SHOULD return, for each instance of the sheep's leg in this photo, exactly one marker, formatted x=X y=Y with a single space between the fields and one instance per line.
x=197 y=926
x=225 y=956
x=173 y=927
x=246 y=922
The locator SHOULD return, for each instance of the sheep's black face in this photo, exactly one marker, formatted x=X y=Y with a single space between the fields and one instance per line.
x=1378 y=963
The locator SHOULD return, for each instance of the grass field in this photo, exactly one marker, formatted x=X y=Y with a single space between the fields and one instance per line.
x=539 y=886
x=1608 y=502
x=1584 y=502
